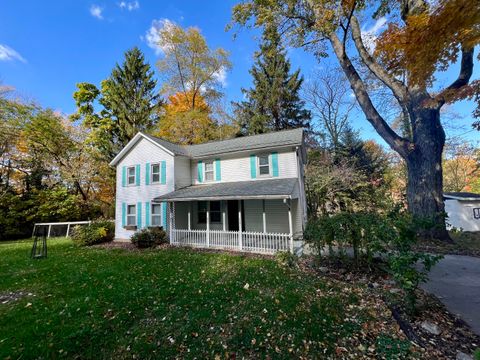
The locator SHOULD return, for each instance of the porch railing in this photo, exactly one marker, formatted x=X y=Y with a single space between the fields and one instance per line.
x=257 y=242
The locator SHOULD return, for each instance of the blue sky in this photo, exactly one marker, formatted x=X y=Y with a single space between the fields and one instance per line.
x=46 y=47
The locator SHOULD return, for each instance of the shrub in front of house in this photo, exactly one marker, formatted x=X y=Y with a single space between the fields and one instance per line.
x=97 y=232
x=388 y=237
x=150 y=237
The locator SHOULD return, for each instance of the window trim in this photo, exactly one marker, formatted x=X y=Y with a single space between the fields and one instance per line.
x=214 y=171
x=131 y=215
x=269 y=165
x=159 y=173
x=134 y=175
x=152 y=215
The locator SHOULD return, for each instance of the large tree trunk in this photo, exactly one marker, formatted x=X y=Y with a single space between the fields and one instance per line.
x=424 y=166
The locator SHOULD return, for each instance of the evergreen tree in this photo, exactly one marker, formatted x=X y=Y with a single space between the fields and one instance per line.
x=274 y=102
x=129 y=104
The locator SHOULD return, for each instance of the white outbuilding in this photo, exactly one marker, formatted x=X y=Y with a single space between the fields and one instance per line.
x=463 y=210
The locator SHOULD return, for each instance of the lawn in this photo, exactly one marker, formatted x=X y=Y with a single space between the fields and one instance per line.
x=114 y=303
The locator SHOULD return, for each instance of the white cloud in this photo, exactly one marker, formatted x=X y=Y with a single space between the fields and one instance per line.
x=152 y=35
x=129 y=5
x=8 y=54
x=221 y=76
x=96 y=11
x=370 y=35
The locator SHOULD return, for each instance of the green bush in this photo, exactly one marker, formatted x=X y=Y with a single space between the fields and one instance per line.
x=286 y=259
x=150 y=237
x=390 y=237
x=97 y=232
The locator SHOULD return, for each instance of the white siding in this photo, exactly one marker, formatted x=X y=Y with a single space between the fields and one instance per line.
x=277 y=216
x=183 y=176
x=253 y=212
x=237 y=167
x=460 y=214
x=144 y=152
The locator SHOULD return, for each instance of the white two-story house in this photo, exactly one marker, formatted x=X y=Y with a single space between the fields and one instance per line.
x=245 y=193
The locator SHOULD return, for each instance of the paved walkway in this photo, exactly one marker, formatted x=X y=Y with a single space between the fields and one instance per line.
x=455 y=280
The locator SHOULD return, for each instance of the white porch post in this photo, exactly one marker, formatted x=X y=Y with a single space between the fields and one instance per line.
x=190 y=216
x=240 y=224
x=208 y=224
x=290 y=230
x=264 y=216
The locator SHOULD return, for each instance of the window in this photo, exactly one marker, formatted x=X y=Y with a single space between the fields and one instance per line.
x=155 y=173
x=215 y=212
x=263 y=165
x=209 y=172
x=202 y=212
x=131 y=215
x=156 y=215
x=131 y=175
x=476 y=213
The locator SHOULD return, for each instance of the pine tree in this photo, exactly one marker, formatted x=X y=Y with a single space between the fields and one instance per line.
x=274 y=102
x=129 y=104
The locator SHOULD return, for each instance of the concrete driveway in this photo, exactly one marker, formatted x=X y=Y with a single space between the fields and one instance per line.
x=455 y=280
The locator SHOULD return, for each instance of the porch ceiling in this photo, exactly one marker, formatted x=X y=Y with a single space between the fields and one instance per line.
x=258 y=189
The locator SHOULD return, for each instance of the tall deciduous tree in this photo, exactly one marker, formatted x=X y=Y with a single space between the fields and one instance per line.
x=329 y=97
x=128 y=103
x=189 y=66
x=422 y=38
x=274 y=102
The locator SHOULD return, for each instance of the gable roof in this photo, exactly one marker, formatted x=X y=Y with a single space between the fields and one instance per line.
x=253 y=142
x=282 y=138
x=461 y=195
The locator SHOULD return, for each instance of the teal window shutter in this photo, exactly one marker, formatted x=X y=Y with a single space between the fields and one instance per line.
x=200 y=171
x=218 y=170
x=124 y=214
x=124 y=176
x=253 y=166
x=164 y=173
x=147 y=214
x=164 y=220
x=139 y=215
x=147 y=174
x=137 y=175
x=274 y=164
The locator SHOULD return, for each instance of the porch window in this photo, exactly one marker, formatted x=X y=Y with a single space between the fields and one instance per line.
x=156 y=215
x=155 y=170
x=215 y=212
x=264 y=165
x=131 y=215
x=209 y=171
x=131 y=175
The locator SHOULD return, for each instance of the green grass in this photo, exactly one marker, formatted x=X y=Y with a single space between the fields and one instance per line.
x=97 y=303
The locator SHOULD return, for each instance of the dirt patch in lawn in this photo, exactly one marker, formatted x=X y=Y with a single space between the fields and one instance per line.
x=433 y=331
x=464 y=243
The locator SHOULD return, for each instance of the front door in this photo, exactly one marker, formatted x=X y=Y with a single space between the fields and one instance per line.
x=232 y=207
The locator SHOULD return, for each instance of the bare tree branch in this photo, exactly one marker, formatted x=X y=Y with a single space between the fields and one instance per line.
x=466 y=70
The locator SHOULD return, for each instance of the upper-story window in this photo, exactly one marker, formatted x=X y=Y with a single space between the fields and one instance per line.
x=264 y=165
x=131 y=175
x=209 y=170
x=155 y=173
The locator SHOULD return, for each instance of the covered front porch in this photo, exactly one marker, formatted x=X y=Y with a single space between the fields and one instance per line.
x=259 y=217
